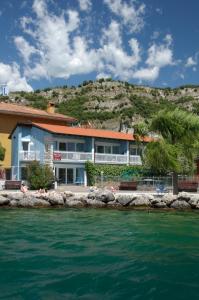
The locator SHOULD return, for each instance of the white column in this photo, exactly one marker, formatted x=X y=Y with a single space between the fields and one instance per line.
x=85 y=178
x=127 y=153
x=93 y=149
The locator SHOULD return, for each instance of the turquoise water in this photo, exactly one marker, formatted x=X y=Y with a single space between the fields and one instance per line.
x=98 y=254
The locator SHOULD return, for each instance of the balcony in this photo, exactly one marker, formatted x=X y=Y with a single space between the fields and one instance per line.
x=102 y=158
x=71 y=156
x=29 y=155
x=135 y=160
x=111 y=158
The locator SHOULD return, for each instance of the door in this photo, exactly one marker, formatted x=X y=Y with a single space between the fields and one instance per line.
x=70 y=176
x=62 y=175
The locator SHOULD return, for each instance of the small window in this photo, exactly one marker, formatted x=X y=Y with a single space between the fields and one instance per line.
x=116 y=150
x=107 y=149
x=80 y=147
x=133 y=151
x=23 y=173
x=71 y=146
x=25 y=146
x=62 y=146
x=100 y=149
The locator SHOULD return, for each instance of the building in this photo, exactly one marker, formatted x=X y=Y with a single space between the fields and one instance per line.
x=67 y=149
x=11 y=114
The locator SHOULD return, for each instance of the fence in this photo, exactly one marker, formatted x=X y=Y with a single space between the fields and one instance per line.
x=142 y=183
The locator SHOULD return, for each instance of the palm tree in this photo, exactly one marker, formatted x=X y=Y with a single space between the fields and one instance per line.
x=177 y=144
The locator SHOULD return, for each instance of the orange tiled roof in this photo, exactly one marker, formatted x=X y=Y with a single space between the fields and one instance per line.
x=90 y=132
x=16 y=109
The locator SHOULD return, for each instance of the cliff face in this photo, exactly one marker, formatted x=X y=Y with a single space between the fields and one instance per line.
x=110 y=104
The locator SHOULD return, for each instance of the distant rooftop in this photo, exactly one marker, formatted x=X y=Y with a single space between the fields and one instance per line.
x=17 y=109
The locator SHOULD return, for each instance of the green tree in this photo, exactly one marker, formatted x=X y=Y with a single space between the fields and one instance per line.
x=39 y=176
x=2 y=152
x=176 y=144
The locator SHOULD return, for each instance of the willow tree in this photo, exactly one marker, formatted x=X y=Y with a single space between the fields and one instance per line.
x=2 y=152
x=176 y=145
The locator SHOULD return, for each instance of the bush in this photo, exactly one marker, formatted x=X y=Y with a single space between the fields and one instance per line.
x=2 y=152
x=39 y=176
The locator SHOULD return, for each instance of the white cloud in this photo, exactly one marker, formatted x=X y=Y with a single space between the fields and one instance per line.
x=159 y=56
x=10 y=74
x=85 y=5
x=159 y=10
x=58 y=48
x=190 y=62
x=131 y=14
x=24 y=48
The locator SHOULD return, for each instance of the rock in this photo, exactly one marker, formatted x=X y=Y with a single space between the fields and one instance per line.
x=105 y=196
x=194 y=201
x=26 y=202
x=124 y=200
x=114 y=204
x=184 y=196
x=95 y=203
x=160 y=204
x=15 y=196
x=4 y=201
x=141 y=200
x=65 y=195
x=180 y=204
x=91 y=195
x=169 y=198
x=74 y=203
x=55 y=198
x=13 y=203
x=41 y=203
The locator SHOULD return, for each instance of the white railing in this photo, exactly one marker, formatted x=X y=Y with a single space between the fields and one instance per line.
x=135 y=160
x=111 y=158
x=71 y=156
x=29 y=155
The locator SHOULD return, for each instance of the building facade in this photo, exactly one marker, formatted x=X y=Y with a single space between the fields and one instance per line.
x=11 y=114
x=66 y=149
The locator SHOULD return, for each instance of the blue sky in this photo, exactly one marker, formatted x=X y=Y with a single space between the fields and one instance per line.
x=57 y=42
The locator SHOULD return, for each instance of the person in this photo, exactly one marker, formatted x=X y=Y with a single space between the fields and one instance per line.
x=24 y=188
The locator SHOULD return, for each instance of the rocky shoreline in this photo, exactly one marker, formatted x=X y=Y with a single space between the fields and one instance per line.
x=103 y=199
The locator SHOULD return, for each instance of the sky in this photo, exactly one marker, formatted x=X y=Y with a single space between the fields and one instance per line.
x=48 y=43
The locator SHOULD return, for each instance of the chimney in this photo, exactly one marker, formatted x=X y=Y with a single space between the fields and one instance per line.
x=51 y=108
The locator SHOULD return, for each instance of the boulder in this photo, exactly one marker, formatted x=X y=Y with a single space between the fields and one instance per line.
x=194 y=201
x=169 y=198
x=160 y=204
x=13 y=203
x=141 y=200
x=25 y=202
x=105 y=196
x=180 y=204
x=41 y=203
x=67 y=194
x=55 y=198
x=124 y=200
x=15 y=196
x=91 y=195
x=184 y=196
x=114 y=204
x=74 y=203
x=4 y=201
x=95 y=203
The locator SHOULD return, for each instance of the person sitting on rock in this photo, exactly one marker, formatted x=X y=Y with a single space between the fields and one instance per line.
x=24 y=188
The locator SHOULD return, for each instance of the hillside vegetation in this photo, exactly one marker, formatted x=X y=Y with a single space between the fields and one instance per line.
x=110 y=104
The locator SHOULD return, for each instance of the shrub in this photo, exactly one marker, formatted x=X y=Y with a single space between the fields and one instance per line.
x=39 y=176
x=2 y=152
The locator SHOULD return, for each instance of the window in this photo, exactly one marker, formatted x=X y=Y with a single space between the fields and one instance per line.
x=107 y=149
x=115 y=149
x=100 y=149
x=25 y=146
x=133 y=151
x=62 y=146
x=80 y=147
x=71 y=146
x=24 y=173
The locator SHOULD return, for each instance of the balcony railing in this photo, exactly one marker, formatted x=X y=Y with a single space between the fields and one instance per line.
x=71 y=156
x=135 y=160
x=29 y=155
x=111 y=158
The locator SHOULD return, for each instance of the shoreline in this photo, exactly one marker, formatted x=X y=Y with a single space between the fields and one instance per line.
x=100 y=199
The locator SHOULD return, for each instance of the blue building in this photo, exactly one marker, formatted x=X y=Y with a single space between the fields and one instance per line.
x=66 y=149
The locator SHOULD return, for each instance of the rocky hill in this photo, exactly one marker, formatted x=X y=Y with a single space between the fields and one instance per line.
x=110 y=104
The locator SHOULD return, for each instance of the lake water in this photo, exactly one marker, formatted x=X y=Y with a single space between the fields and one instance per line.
x=98 y=254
